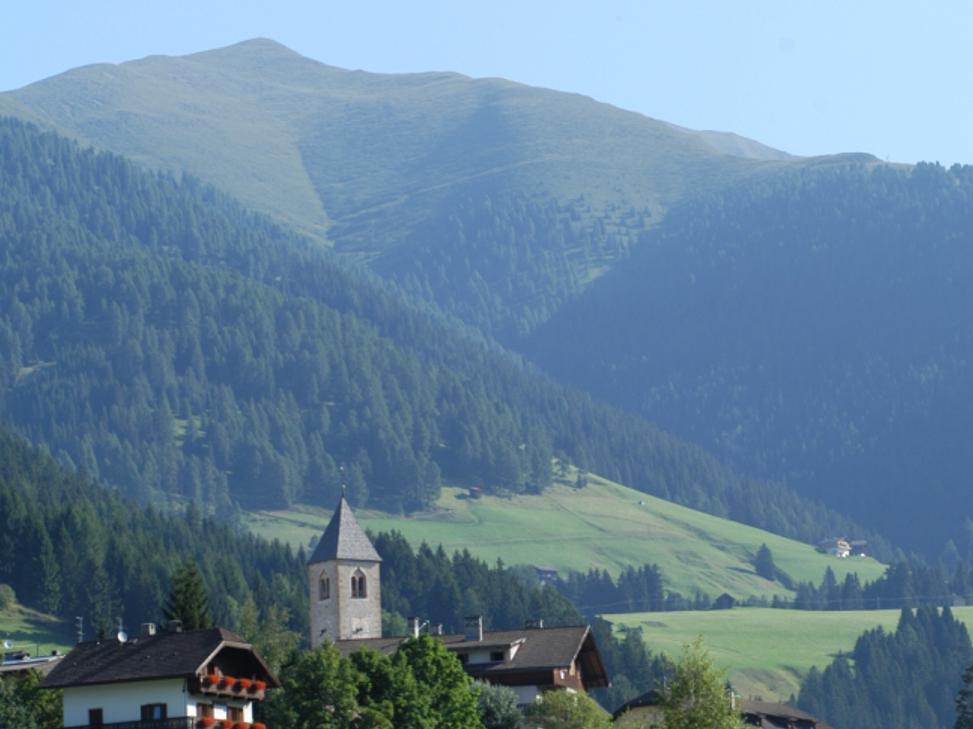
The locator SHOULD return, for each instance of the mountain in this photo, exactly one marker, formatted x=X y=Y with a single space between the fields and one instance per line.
x=815 y=328
x=496 y=200
x=163 y=339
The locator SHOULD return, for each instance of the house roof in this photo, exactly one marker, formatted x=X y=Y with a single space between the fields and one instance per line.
x=771 y=715
x=540 y=649
x=163 y=655
x=344 y=539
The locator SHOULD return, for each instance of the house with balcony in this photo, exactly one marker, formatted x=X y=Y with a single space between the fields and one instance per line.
x=162 y=679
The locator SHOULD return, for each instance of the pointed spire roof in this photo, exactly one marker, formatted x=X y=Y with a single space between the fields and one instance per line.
x=344 y=539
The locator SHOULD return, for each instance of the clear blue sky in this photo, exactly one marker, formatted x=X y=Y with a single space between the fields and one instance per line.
x=811 y=77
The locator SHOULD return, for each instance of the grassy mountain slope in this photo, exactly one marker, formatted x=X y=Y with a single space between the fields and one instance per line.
x=604 y=525
x=176 y=346
x=766 y=651
x=815 y=329
x=380 y=165
x=34 y=631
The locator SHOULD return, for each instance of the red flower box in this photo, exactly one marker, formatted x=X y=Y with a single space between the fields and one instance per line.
x=228 y=681
x=207 y=722
x=261 y=685
x=258 y=725
x=227 y=724
x=244 y=684
x=241 y=725
x=213 y=679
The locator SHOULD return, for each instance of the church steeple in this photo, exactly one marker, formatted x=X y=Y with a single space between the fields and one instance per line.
x=344 y=580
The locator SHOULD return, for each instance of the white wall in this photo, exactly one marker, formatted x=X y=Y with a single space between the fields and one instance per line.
x=123 y=701
x=526 y=694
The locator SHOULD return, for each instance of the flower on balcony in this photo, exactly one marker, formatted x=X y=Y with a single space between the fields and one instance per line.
x=258 y=725
x=261 y=685
x=213 y=679
x=206 y=722
x=228 y=681
x=244 y=684
x=227 y=724
x=241 y=725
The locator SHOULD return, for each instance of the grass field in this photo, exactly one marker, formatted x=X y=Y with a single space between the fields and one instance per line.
x=33 y=631
x=604 y=525
x=766 y=651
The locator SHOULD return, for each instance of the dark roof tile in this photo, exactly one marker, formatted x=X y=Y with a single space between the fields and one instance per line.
x=344 y=539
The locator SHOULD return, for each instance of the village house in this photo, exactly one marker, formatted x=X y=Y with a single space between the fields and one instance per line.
x=171 y=679
x=836 y=547
x=344 y=578
x=646 y=711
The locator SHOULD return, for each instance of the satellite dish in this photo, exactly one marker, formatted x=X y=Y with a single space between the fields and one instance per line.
x=7 y=645
x=121 y=636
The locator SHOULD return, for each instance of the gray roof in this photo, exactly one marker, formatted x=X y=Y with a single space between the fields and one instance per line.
x=542 y=648
x=344 y=539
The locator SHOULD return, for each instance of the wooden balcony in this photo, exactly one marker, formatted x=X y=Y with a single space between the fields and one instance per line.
x=177 y=722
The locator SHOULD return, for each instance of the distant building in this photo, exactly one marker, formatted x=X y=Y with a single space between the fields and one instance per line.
x=724 y=602
x=836 y=547
x=162 y=680
x=546 y=575
x=646 y=711
x=344 y=576
x=20 y=662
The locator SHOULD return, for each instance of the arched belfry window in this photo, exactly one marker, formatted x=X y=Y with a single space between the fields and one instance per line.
x=324 y=588
x=359 y=588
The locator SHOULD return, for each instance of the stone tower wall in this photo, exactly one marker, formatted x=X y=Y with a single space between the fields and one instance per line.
x=343 y=617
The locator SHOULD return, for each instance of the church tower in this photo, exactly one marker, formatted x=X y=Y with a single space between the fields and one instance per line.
x=345 y=582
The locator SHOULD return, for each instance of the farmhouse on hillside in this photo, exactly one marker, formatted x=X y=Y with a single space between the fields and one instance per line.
x=344 y=579
x=173 y=679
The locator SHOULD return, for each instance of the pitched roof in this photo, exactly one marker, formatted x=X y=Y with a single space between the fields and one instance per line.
x=540 y=649
x=164 y=655
x=344 y=539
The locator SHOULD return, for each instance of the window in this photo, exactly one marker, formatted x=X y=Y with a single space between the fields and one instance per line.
x=324 y=588
x=204 y=710
x=359 y=587
x=235 y=713
x=497 y=655
x=153 y=712
x=96 y=717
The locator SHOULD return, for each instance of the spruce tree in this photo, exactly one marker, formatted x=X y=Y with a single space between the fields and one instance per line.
x=188 y=600
x=764 y=563
x=964 y=702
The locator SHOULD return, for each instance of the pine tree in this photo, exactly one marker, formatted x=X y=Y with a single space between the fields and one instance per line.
x=188 y=600
x=964 y=702
x=697 y=697
x=764 y=563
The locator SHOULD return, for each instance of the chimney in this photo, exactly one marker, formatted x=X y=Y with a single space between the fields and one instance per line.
x=148 y=629
x=174 y=626
x=414 y=626
x=473 y=628
x=534 y=624
x=438 y=629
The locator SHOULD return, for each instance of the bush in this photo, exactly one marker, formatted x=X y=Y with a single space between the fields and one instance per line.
x=8 y=598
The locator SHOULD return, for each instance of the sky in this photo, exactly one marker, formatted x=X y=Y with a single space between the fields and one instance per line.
x=813 y=77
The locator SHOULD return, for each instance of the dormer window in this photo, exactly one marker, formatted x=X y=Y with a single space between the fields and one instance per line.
x=359 y=587
x=324 y=588
x=497 y=655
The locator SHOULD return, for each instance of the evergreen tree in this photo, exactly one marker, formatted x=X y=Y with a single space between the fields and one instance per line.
x=763 y=563
x=188 y=600
x=964 y=702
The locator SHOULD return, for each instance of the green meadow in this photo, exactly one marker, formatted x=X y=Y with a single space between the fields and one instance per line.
x=604 y=525
x=765 y=651
x=33 y=631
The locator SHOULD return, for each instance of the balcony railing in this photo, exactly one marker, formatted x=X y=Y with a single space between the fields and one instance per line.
x=179 y=722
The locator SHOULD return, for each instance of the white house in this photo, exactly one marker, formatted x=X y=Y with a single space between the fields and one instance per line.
x=170 y=679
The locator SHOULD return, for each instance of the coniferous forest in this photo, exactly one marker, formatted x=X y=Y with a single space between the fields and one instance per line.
x=164 y=341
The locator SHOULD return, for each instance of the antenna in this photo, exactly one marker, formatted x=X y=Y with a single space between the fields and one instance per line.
x=79 y=624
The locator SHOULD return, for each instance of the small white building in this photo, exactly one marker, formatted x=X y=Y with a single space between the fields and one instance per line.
x=172 y=679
